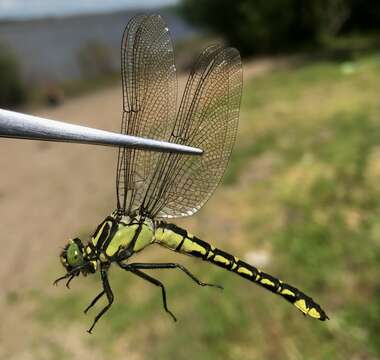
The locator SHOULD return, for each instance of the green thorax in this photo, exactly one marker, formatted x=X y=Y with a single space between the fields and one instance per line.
x=116 y=235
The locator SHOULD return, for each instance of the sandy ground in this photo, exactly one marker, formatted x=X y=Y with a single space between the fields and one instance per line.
x=52 y=191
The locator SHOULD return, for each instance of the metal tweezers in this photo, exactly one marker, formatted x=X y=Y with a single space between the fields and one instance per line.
x=17 y=125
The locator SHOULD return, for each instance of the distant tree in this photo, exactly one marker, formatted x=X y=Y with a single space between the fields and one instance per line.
x=12 y=89
x=365 y=15
x=273 y=25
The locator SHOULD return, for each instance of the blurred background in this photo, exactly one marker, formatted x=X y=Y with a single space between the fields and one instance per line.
x=300 y=198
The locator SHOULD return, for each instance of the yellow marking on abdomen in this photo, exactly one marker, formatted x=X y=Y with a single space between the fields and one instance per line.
x=287 y=292
x=168 y=238
x=267 y=282
x=189 y=246
x=313 y=312
x=301 y=305
x=243 y=270
x=222 y=260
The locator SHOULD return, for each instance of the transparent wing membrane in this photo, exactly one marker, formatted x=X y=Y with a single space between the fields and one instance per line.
x=149 y=102
x=207 y=118
x=165 y=184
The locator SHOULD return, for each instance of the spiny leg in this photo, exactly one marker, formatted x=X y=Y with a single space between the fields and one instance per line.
x=153 y=281
x=69 y=275
x=56 y=281
x=69 y=281
x=94 y=301
x=109 y=293
x=172 y=266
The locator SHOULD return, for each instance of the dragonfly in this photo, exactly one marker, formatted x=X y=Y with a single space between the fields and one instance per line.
x=153 y=188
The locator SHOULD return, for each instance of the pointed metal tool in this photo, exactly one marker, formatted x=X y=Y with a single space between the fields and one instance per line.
x=22 y=126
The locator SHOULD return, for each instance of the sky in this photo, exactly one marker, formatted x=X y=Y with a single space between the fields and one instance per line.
x=41 y=8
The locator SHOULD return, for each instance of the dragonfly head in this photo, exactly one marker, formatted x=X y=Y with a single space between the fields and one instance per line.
x=73 y=256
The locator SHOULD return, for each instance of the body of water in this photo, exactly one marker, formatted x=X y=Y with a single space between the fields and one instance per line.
x=49 y=49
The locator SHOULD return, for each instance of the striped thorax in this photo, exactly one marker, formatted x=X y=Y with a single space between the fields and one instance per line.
x=115 y=239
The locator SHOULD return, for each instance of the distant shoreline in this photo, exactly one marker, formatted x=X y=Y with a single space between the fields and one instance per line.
x=84 y=12
x=50 y=49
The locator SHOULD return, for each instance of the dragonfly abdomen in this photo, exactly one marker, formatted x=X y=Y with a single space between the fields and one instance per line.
x=177 y=239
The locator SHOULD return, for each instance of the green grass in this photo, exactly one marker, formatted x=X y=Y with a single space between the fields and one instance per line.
x=312 y=136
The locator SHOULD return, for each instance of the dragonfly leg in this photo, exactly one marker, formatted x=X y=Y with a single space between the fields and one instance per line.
x=172 y=266
x=152 y=280
x=108 y=292
x=69 y=281
x=69 y=275
x=94 y=301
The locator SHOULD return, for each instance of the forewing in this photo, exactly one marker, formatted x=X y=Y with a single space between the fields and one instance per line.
x=207 y=119
x=149 y=103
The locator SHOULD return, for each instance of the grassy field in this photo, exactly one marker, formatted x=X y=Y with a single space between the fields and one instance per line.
x=301 y=196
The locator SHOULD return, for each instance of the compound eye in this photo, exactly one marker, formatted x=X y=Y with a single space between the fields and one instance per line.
x=74 y=255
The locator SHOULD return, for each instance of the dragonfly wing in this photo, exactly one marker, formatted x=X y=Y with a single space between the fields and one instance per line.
x=149 y=103
x=207 y=119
